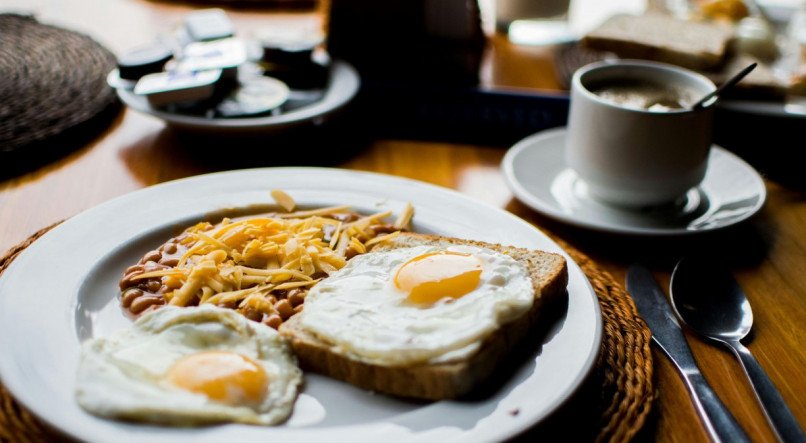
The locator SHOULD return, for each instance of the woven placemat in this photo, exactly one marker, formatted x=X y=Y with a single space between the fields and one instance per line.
x=624 y=367
x=51 y=80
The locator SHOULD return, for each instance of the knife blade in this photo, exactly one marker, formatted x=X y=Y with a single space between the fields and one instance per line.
x=667 y=335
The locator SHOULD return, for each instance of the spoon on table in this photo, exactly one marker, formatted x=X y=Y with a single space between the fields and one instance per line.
x=710 y=301
x=713 y=96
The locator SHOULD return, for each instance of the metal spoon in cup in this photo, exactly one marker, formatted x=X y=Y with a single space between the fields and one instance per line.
x=713 y=96
x=709 y=301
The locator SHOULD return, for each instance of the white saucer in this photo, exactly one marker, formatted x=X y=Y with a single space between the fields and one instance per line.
x=536 y=172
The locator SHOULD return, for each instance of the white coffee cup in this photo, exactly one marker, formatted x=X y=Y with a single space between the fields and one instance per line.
x=637 y=157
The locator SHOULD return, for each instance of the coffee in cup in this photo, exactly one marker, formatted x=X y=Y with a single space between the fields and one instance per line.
x=645 y=95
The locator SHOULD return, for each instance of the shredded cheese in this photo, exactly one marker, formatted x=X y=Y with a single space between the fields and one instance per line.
x=283 y=199
x=246 y=263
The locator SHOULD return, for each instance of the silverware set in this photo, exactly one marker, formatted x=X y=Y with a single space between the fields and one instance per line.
x=710 y=302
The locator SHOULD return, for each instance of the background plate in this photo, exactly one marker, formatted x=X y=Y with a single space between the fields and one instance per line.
x=63 y=289
x=342 y=86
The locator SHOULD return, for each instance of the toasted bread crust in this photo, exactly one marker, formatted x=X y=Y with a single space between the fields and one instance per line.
x=447 y=380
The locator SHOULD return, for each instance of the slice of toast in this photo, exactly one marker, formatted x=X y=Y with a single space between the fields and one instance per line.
x=445 y=380
x=797 y=78
x=761 y=83
x=662 y=38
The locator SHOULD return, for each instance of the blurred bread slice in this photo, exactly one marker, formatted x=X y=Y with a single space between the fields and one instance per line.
x=662 y=38
x=762 y=83
x=797 y=79
x=797 y=82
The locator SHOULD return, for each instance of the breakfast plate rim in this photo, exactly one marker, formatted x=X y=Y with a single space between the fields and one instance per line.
x=19 y=372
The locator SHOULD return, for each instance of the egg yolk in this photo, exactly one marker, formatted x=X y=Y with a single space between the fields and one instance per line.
x=225 y=377
x=430 y=277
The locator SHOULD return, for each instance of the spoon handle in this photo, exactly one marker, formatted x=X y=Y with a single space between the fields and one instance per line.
x=729 y=83
x=781 y=419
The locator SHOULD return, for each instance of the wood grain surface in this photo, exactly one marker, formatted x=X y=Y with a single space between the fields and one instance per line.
x=767 y=255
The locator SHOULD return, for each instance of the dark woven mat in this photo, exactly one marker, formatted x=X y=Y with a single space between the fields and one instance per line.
x=623 y=370
x=51 y=81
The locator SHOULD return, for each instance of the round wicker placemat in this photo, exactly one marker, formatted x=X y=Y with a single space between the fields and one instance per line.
x=624 y=367
x=51 y=80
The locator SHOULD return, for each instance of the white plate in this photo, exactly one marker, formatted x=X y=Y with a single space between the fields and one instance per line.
x=536 y=172
x=63 y=289
x=342 y=86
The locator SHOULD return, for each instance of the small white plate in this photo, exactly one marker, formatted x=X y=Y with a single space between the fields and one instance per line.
x=63 y=289
x=536 y=172
x=343 y=85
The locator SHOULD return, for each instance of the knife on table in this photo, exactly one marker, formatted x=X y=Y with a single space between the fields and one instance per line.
x=666 y=333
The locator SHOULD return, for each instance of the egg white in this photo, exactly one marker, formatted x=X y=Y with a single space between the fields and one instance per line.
x=361 y=313
x=122 y=376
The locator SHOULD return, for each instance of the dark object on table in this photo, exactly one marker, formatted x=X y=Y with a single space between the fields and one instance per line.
x=143 y=60
x=772 y=144
x=52 y=83
x=419 y=62
x=311 y=76
x=290 y=52
x=418 y=41
x=293 y=61
x=459 y=115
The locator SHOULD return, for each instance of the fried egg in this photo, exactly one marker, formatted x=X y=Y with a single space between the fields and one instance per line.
x=192 y=365
x=416 y=305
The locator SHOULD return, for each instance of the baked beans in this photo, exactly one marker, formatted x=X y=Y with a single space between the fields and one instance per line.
x=139 y=295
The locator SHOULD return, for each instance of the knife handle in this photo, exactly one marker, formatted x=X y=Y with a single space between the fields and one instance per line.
x=719 y=422
x=778 y=414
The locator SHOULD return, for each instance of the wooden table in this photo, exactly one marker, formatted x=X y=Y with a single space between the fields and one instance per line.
x=767 y=255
